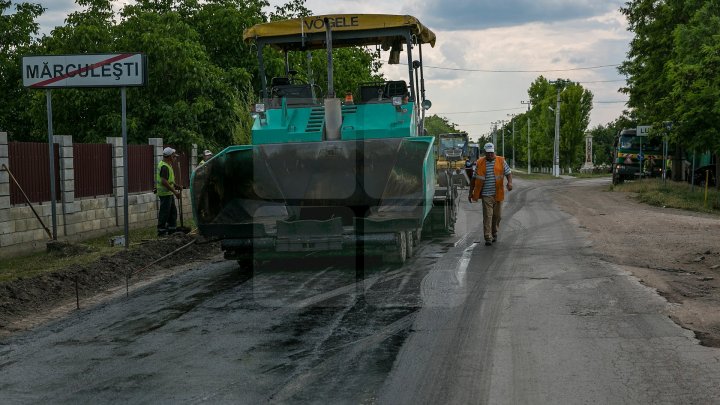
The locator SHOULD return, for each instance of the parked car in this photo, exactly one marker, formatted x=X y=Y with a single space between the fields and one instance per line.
x=700 y=175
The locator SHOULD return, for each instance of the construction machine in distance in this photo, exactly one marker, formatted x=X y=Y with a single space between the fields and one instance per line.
x=325 y=176
x=453 y=151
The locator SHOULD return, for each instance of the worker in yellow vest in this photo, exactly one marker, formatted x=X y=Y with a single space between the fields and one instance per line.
x=490 y=173
x=167 y=191
x=207 y=155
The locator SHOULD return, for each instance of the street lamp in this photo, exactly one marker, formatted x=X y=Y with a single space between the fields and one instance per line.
x=559 y=84
x=528 y=133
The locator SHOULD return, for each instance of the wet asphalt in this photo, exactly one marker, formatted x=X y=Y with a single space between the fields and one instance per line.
x=535 y=318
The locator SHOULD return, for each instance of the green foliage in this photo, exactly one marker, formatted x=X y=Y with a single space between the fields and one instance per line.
x=435 y=125
x=202 y=77
x=694 y=73
x=604 y=139
x=672 y=195
x=575 y=107
x=19 y=30
x=673 y=71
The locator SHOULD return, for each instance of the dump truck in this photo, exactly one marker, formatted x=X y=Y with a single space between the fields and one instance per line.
x=636 y=155
x=330 y=175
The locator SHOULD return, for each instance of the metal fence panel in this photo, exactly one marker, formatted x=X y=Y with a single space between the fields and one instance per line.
x=141 y=168
x=93 y=169
x=31 y=168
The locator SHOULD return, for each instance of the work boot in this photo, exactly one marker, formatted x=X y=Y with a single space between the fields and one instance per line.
x=494 y=239
x=488 y=243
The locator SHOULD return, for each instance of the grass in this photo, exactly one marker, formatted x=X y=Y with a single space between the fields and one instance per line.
x=590 y=175
x=44 y=262
x=673 y=194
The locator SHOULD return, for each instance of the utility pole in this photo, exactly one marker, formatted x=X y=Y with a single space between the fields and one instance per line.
x=502 y=123
x=559 y=84
x=528 y=133
x=494 y=132
x=512 y=119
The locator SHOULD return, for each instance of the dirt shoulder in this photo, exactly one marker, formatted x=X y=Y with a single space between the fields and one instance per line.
x=675 y=252
x=29 y=301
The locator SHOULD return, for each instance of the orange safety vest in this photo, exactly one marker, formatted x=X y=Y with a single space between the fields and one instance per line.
x=499 y=176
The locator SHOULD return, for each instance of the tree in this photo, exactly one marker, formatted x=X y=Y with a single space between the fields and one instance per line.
x=694 y=72
x=19 y=32
x=435 y=125
x=575 y=107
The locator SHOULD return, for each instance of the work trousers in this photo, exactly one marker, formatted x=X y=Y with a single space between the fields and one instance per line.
x=167 y=215
x=491 y=216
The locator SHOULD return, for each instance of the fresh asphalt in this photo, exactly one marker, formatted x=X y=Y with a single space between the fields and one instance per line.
x=535 y=318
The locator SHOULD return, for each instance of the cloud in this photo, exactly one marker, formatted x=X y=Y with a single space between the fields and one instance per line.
x=481 y=14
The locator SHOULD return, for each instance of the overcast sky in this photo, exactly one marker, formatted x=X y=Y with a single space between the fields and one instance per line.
x=509 y=43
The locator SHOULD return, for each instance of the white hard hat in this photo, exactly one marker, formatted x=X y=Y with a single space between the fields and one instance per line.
x=207 y=152
x=168 y=151
x=489 y=147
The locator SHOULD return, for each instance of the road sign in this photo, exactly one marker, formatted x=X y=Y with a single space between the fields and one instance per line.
x=101 y=70
x=642 y=130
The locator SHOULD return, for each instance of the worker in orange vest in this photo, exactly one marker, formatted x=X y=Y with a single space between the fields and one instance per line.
x=489 y=177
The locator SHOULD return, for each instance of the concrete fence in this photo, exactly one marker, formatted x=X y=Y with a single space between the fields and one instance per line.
x=77 y=218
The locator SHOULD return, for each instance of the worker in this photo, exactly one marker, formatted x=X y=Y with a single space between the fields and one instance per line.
x=489 y=177
x=167 y=191
x=206 y=156
x=470 y=172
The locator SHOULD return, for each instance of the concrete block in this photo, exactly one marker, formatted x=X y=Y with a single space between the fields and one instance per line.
x=40 y=234
x=4 y=177
x=20 y=213
x=95 y=223
x=9 y=239
x=5 y=215
x=4 y=202
x=117 y=161
x=133 y=218
x=4 y=189
x=20 y=226
x=72 y=207
x=32 y=224
x=4 y=151
x=63 y=140
x=74 y=229
x=67 y=153
x=68 y=185
x=88 y=204
x=68 y=197
x=4 y=138
x=91 y=215
x=7 y=227
x=111 y=202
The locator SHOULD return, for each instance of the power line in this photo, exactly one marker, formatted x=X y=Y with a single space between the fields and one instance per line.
x=603 y=81
x=481 y=111
x=518 y=71
x=610 y=102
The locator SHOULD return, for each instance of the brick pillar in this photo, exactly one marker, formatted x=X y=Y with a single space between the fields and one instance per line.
x=67 y=180
x=118 y=178
x=193 y=158
x=5 y=219
x=157 y=144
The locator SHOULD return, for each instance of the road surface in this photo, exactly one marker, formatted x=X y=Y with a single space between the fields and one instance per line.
x=535 y=318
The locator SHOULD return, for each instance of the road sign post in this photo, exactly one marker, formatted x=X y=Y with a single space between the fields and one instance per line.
x=96 y=70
